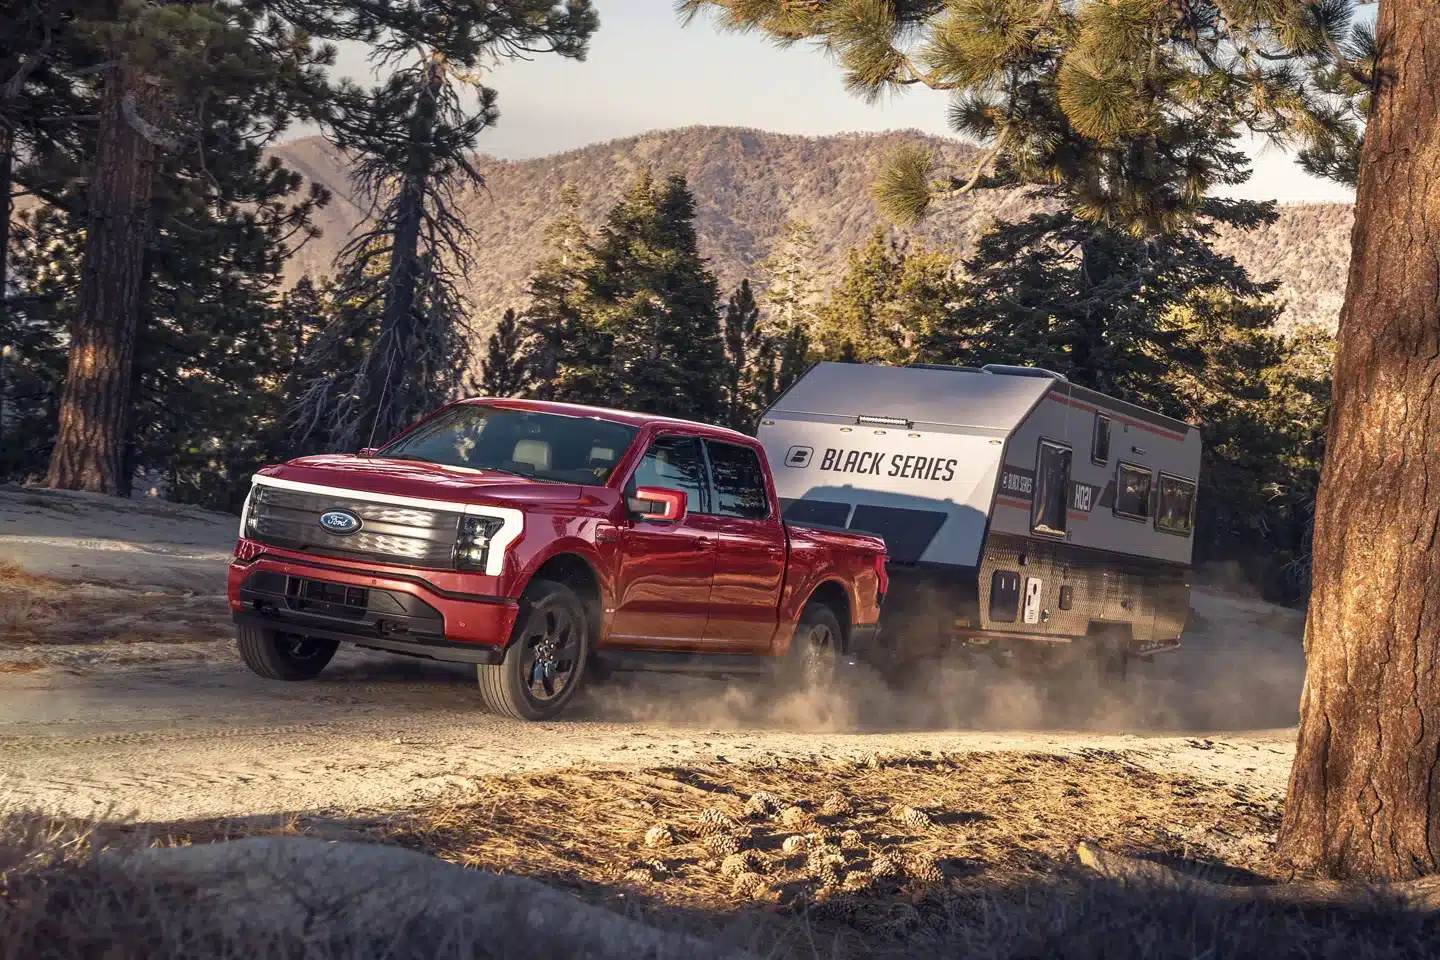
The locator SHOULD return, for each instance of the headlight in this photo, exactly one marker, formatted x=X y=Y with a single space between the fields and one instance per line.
x=249 y=523
x=472 y=541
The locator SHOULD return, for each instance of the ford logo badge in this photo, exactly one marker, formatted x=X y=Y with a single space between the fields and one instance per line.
x=339 y=522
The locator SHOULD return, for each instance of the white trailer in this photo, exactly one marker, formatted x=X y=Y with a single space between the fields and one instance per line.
x=1021 y=511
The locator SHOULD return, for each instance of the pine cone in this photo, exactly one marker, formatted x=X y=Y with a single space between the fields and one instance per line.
x=857 y=880
x=872 y=761
x=796 y=819
x=722 y=844
x=831 y=903
x=748 y=886
x=715 y=820
x=923 y=867
x=824 y=856
x=660 y=835
x=795 y=844
x=884 y=865
x=851 y=840
x=828 y=877
x=746 y=861
x=763 y=804
x=916 y=819
x=837 y=805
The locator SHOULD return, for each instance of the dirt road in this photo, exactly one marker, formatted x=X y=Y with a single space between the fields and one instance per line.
x=167 y=724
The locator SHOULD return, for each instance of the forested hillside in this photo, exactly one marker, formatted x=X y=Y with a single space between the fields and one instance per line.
x=748 y=184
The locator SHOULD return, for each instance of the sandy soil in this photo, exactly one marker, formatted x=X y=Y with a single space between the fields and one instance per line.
x=141 y=720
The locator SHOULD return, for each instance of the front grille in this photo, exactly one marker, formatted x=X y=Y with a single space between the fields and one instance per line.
x=409 y=536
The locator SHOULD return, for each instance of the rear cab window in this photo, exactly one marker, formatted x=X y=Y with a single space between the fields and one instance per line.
x=1132 y=491
x=737 y=482
x=1175 y=509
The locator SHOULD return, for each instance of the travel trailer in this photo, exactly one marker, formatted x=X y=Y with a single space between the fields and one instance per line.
x=1022 y=513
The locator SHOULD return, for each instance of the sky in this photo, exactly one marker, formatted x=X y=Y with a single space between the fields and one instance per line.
x=645 y=71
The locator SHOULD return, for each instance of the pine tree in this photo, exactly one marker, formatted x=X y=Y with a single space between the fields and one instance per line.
x=172 y=77
x=789 y=302
x=413 y=139
x=888 y=302
x=558 y=339
x=634 y=323
x=504 y=372
x=750 y=359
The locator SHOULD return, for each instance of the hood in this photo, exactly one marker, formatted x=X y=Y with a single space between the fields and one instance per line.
x=428 y=481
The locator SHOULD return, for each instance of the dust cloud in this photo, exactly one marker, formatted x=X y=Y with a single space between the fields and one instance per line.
x=1240 y=668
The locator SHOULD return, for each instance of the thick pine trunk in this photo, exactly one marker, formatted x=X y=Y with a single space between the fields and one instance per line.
x=96 y=402
x=1364 y=796
x=7 y=179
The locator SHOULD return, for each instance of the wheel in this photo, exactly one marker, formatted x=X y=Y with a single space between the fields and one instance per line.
x=283 y=656
x=814 y=656
x=545 y=660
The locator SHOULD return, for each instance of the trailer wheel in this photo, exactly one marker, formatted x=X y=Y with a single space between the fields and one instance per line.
x=545 y=661
x=283 y=656
x=815 y=650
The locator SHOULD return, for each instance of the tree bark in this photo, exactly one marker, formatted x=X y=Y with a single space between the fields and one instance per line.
x=96 y=401
x=1364 y=799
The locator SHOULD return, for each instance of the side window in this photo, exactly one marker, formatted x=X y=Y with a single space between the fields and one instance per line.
x=1175 y=512
x=738 y=481
x=1100 y=442
x=1052 y=484
x=674 y=463
x=1132 y=491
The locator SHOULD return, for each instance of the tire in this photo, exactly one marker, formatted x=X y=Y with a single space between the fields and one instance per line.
x=283 y=656
x=545 y=660
x=814 y=656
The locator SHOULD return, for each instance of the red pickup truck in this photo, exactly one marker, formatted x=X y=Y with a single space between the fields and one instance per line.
x=541 y=540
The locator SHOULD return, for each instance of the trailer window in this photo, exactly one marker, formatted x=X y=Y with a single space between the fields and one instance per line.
x=1132 y=492
x=738 y=481
x=1175 y=512
x=1100 y=443
x=1052 y=483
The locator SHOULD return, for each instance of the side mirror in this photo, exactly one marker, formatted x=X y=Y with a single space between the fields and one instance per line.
x=367 y=451
x=658 y=504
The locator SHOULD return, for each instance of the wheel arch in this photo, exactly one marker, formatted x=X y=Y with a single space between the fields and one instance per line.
x=579 y=573
x=833 y=593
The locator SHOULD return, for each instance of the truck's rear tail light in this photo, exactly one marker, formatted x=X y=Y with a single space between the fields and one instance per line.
x=882 y=574
x=472 y=541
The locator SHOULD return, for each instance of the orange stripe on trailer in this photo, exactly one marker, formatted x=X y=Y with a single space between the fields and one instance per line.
x=1118 y=418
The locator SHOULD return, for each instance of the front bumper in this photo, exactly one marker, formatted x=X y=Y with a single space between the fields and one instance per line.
x=396 y=611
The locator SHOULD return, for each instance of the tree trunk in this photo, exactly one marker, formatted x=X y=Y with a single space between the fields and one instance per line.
x=386 y=382
x=1364 y=798
x=7 y=179
x=96 y=401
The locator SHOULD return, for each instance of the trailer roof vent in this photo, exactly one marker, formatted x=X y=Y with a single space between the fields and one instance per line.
x=942 y=366
x=1009 y=371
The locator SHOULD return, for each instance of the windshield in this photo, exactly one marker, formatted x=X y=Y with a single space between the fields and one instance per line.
x=545 y=446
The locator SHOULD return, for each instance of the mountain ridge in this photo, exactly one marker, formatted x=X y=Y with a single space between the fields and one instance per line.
x=748 y=183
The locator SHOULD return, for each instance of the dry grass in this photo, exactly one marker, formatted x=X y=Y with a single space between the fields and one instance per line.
x=36 y=610
x=990 y=877
x=992 y=819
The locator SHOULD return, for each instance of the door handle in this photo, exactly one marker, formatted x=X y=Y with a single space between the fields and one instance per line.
x=702 y=543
